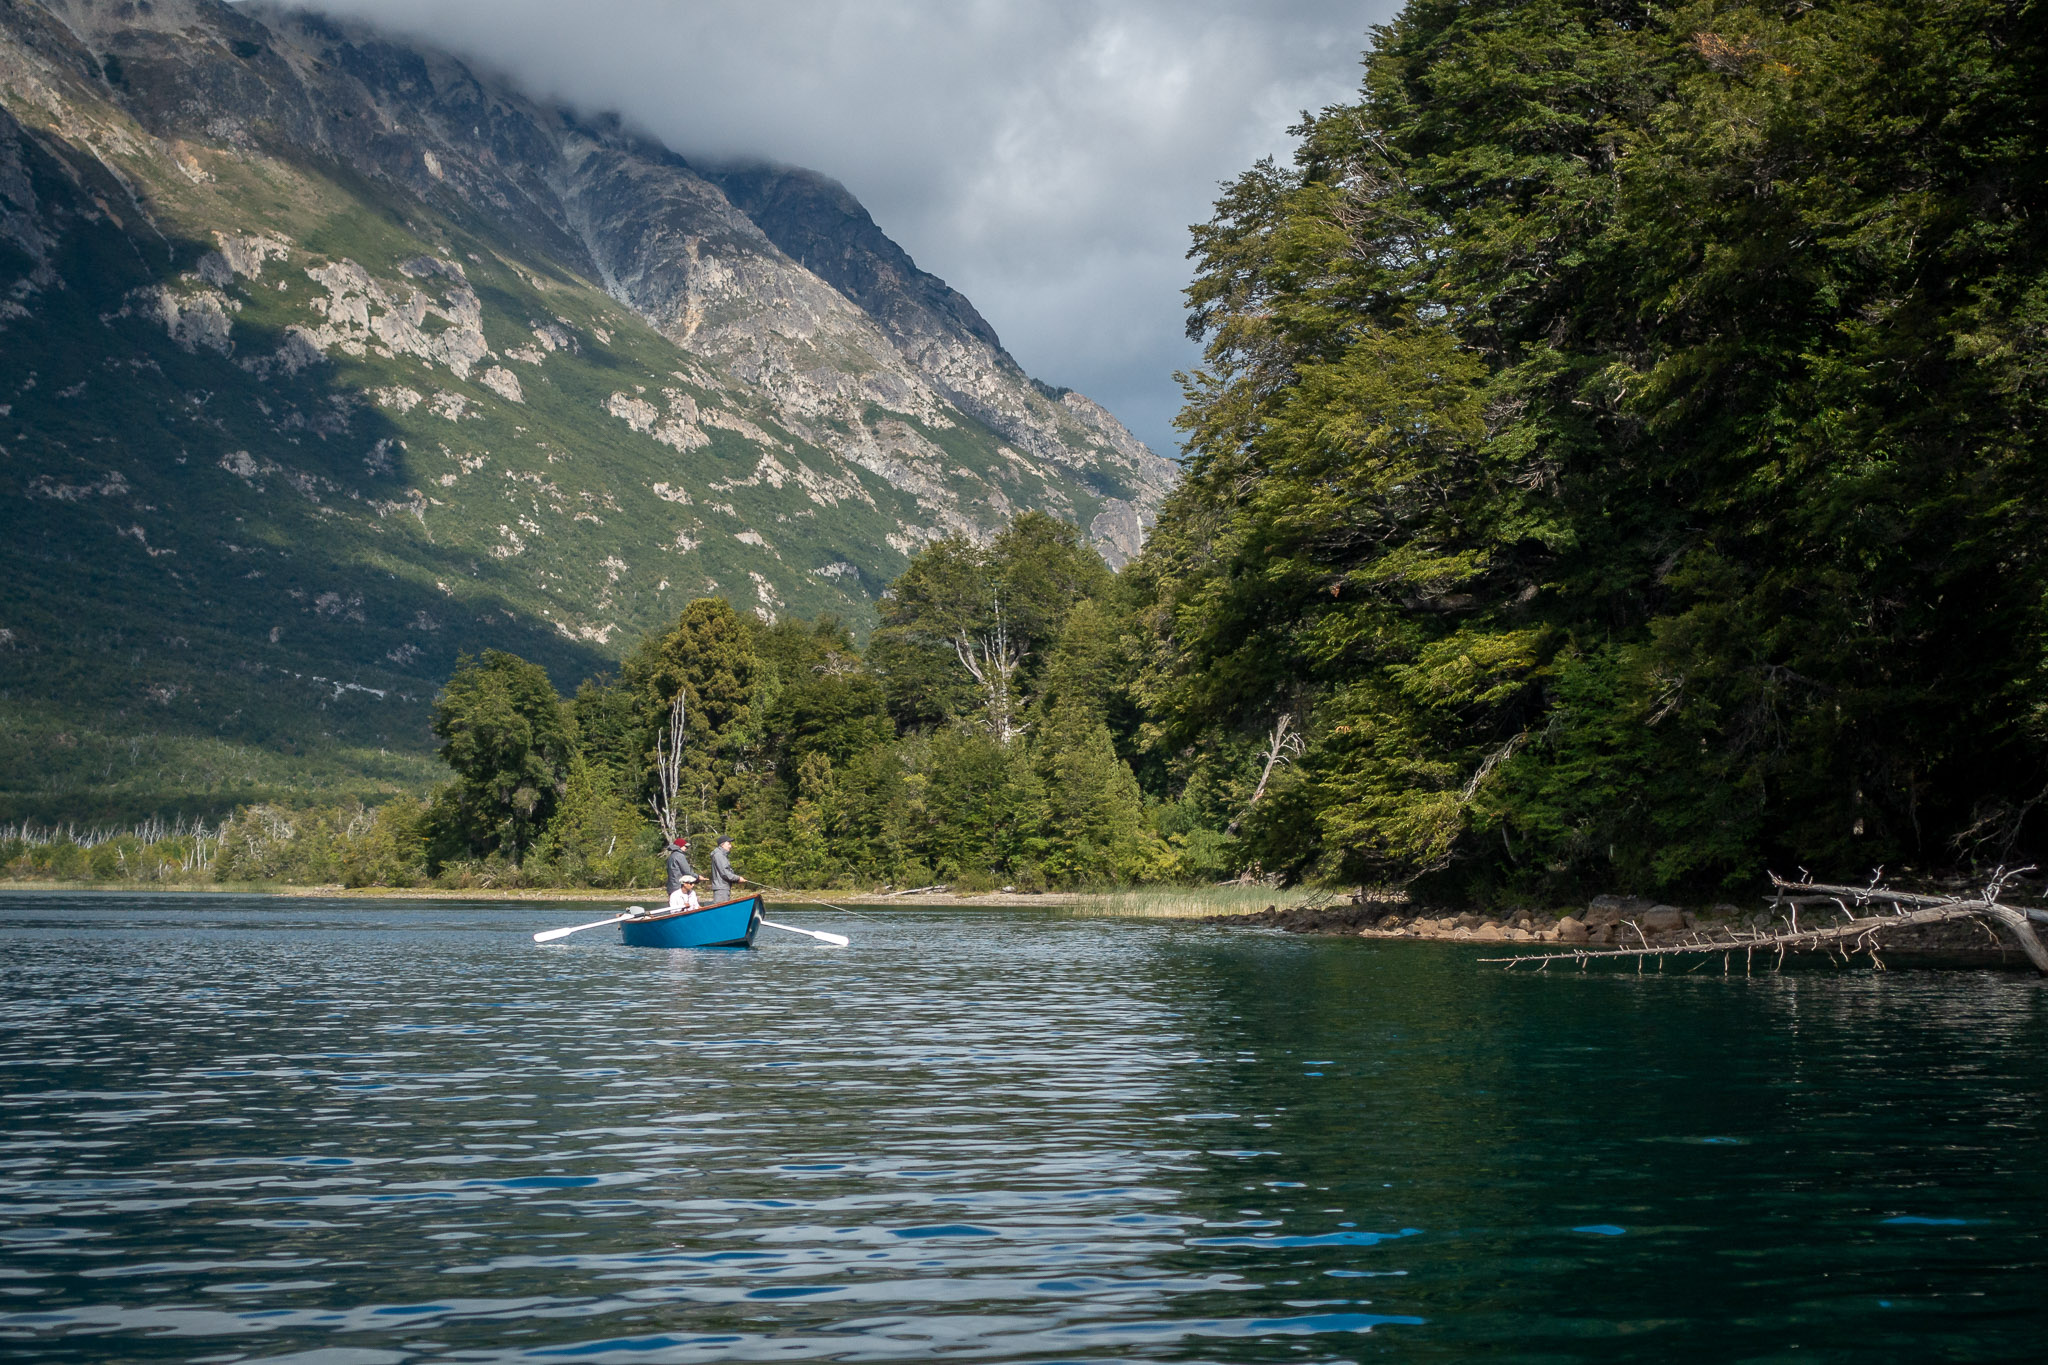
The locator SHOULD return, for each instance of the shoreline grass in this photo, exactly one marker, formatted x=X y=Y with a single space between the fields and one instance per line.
x=1188 y=902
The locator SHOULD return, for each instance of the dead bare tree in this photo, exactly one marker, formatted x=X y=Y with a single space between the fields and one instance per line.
x=1868 y=913
x=1281 y=747
x=668 y=766
x=992 y=656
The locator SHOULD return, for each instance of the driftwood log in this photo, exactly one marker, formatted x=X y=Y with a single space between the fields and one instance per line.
x=1863 y=915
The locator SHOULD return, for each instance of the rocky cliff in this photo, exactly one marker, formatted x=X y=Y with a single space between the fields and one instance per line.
x=815 y=221
x=324 y=357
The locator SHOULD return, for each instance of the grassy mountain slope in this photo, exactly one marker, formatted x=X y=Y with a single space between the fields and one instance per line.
x=322 y=361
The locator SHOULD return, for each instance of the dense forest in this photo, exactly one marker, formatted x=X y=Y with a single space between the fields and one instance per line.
x=971 y=742
x=1618 y=455
x=1615 y=464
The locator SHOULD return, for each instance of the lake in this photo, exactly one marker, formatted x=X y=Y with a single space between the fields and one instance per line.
x=364 y=1133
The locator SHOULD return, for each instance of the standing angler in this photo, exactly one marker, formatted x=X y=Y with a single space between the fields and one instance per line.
x=722 y=875
x=682 y=878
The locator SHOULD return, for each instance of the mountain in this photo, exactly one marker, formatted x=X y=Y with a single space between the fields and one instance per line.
x=325 y=357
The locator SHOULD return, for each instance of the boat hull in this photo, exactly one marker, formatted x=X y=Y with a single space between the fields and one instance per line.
x=728 y=924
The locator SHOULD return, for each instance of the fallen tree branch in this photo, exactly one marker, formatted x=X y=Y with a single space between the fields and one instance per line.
x=2018 y=919
x=1878 y=893
x=1853 y=933
x=1857 y=934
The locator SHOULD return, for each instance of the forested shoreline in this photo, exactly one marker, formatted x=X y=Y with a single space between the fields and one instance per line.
x=981 y=739
x=1615 y=467
x=1618 y=453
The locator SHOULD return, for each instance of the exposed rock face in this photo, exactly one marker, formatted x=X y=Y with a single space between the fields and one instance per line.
x=825 y=229
x=296 y=313
x=778 y=277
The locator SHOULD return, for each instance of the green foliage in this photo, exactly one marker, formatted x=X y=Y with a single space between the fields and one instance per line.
x=982 y=803
x=708 y=656
x=148 y=853
x=349 y=845
x=1614 y=453
x=611 y=733
x=511 y=743
x=1095 y=821
x=818 y=698
x=790 y=745
x=596 y=837
x=808 y=857
x=923 y=684
x=393 y=851
x=993 y=609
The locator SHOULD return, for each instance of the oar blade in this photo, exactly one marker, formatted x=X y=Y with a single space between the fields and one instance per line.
x=836 y=940
x=550 y=935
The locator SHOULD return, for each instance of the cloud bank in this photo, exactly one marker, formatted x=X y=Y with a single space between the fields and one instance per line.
x=1044 y=158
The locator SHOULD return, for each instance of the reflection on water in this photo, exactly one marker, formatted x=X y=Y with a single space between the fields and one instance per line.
x=240 y=1129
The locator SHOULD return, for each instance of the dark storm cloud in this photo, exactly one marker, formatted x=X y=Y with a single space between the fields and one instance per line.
x=1045 y=158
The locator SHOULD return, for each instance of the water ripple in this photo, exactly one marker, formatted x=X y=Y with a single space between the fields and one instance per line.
x=243 y=1130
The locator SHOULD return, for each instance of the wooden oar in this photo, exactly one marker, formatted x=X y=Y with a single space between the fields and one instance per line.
x=836 y=940
x=550 y=935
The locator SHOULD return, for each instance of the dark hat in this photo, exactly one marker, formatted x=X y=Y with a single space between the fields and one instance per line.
x=725 y=838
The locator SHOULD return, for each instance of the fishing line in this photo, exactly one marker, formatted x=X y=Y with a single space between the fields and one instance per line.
x=781 y=891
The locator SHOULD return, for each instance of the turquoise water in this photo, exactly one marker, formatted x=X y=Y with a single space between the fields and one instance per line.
x=237 y=1129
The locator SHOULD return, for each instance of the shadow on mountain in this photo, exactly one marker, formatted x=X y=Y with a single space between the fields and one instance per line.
x=221 y=581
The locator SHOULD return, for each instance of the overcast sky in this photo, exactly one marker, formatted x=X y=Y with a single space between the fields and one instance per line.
x=1045 y=157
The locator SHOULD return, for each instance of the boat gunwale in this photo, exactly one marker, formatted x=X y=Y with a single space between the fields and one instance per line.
x=666 y=914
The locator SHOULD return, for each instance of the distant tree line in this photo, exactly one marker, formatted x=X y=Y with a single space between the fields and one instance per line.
x=982 y=738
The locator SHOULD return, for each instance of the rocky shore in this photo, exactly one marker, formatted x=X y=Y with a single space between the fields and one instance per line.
x=1607 y=920
x=1614 y=922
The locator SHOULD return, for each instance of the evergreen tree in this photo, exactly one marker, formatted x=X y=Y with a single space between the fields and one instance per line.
x=511 y=742
x=709 y=656
x=824 y=700
x=1087 y=665
x=612 y=734
x=883 y=826
x=807 y=851
x=596 y=838
x=992 y=609
x=1095 y=829
x=1616 y=451
x=791 y=746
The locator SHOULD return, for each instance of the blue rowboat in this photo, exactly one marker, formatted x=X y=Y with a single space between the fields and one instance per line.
x=727 y=924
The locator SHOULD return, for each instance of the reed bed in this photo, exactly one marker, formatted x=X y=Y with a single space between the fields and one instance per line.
x=1187 y=902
